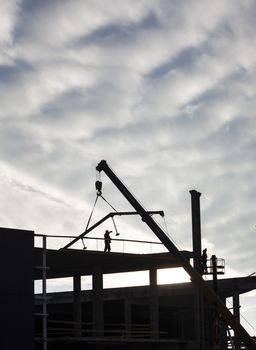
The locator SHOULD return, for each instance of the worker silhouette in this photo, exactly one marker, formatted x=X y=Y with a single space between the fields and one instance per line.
x=204 y=261
x=107 y=239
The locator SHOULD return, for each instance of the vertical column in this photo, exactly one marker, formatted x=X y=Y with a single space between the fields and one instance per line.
x=217 y=324
x=197 y=251
x=98 y=303
x=44 y=292
x=127 y=317
x=154 y=307
x=236 y=312
x=236 y=305
x=77 y=312
x=196 y=229
x=199 y=317
x=223 y=329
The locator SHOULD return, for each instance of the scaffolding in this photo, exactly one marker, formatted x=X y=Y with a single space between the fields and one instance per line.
x=43 y=296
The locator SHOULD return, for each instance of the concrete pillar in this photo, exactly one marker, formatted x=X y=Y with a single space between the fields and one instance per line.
x=154 y=305
x=77 y=311
x=98 y=303
x=236 y=304
x=199 y=319
x=236 y=312
x=127 y=317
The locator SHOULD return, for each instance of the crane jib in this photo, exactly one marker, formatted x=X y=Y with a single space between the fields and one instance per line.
x=196 y=278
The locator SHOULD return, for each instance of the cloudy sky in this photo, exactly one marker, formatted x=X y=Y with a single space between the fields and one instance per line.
x=164 y=90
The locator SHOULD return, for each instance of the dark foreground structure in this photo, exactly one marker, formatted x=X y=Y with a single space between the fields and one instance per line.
x=175 y=316
x=171 y=316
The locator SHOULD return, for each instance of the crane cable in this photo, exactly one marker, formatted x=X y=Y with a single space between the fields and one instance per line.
x=88 y=222
x=98 y=186
x=100 y=195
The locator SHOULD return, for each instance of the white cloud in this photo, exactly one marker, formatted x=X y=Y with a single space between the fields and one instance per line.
x=9 y=10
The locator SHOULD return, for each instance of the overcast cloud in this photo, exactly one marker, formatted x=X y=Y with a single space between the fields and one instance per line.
x=163 y=90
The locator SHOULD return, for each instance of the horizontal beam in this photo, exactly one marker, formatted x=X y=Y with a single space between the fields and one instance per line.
x=110 y=215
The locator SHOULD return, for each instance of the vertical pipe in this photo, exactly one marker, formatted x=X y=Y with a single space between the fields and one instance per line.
x=214 y=274
x=197 y=251
x=196 y=229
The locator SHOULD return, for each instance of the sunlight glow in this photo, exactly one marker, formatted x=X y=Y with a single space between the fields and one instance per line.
x=174 y=275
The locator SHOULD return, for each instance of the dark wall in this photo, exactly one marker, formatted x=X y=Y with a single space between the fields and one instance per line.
x=16 y=289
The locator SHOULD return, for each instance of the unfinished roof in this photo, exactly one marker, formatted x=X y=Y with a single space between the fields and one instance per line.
x=70 y=262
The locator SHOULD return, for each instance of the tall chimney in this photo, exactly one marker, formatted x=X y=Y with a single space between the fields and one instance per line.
x=196 y=229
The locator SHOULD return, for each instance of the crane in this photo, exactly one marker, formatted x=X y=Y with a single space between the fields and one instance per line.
x=196 y=278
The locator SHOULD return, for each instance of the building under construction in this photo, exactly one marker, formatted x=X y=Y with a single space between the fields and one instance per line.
x=190 y=315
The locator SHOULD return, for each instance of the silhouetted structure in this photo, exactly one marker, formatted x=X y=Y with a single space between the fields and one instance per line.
x=174 y=316
x=149 y=317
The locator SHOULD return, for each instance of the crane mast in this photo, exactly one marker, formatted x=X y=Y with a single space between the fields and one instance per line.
x=196 y=278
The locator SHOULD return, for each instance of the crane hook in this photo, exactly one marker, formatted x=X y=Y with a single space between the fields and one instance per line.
x=98 y=186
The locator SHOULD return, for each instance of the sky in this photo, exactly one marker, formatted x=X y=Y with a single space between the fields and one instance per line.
x=162 y=90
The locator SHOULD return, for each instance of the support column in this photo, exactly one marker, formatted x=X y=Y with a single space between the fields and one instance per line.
x=196 y=229
x=98 y=303
x=77 y=311
x=217 y=323
x=154 y=304
x=199 y=319
x=197 y=252
x=236 y=312
x=127 y=317
x=236 y=305
x=223 y=330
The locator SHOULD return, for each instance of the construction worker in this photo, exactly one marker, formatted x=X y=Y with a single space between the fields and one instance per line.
x=107 y=239
x=204 y=261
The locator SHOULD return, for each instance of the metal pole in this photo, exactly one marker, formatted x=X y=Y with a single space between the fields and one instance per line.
x=216 y=333
x=196 y=229
x=197 y=252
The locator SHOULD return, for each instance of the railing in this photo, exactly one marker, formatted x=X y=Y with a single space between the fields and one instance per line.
x=59 y=328
x=97 y=244
x=220 y=267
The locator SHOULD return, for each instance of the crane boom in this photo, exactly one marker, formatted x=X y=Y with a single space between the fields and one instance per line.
x=196 y=278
